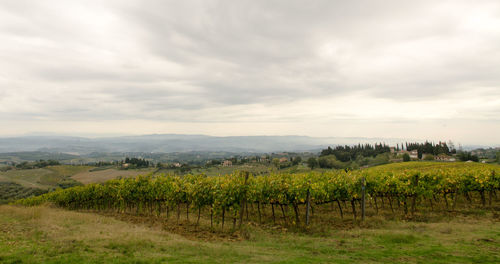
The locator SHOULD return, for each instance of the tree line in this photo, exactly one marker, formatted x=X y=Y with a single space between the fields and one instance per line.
x=137 y=163
x=36 y=164
x=350 y=153
x=430 y=148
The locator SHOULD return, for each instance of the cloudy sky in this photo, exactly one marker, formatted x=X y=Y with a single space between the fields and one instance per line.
x=405 y=69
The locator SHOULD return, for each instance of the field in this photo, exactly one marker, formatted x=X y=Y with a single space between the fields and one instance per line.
x=416 y=186
x=253 y=168
x=417 y=212
x=99 y=176
x=19 y=157
x=27 y=178
x=256 y=169
x=44 y=178
x=20 y=183
x=51 y=235
x=49 y=177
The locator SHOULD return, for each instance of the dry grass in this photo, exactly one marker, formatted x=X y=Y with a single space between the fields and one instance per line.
x=51 y=235
x=43 y=178
x=104 y=235
x=27 y=178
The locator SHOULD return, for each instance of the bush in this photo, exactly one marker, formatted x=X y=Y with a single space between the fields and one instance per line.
x=312 y=163
x=68 y=183
x=429 y=157
x=6 y=168
x=406 y=157
x=362 y=161
x=37 y=164
x=380 y=159
x=330 y=162
x=296 y=160
x=283 y=165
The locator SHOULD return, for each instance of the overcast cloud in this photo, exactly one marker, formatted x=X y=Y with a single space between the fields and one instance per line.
x=414 y=69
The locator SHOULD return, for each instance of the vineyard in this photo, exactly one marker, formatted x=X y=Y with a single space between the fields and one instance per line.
x=290 y=199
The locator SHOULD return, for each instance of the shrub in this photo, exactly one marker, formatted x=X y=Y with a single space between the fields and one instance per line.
x=330 y=162
x=312 y=163
x=429 y=157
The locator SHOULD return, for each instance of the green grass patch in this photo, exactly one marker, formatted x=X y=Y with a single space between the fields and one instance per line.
x=48 y=235
x=397 y=239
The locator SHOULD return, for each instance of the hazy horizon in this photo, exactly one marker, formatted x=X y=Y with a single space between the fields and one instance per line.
x=424 y=70
x=323 y=141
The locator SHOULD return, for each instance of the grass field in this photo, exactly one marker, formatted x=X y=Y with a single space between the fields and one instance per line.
x=27 y=178
x=44 y=178
x=468 y=234
x=254 y=168
x=49 y=177
x=16 y=184
x=99 y=176
x=49 y=235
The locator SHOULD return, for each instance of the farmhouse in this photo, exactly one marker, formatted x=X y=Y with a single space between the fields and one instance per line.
x=413 y=154
x=283 y=160
x=444 y=157
x=227 y=163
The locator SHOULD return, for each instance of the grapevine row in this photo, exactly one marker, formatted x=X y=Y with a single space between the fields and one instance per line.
x=409 y=183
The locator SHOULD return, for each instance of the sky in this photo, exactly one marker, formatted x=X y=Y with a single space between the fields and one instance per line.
x=398 y=69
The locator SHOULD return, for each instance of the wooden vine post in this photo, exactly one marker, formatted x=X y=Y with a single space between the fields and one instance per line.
x=274 y=217
x=243 y=200
x=363 y=190
x=414 y=196
x=308 y=205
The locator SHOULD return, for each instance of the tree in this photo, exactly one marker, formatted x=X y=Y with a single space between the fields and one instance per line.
x=276 y=162
x=348 y=153
x=312 y=163
x=296 y=160
x=466 y=156
x=451 y=145
x=429 y=148
x=406 y=157
x=215 y=162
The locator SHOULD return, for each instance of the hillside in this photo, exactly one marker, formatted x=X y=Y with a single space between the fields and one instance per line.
x=43 y=178
x=21 y=183
x=176 y=143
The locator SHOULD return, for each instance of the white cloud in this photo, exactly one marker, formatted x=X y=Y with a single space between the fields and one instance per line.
x=323 y=68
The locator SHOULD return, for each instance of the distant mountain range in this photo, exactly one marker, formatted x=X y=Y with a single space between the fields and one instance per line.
x=165 y=143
